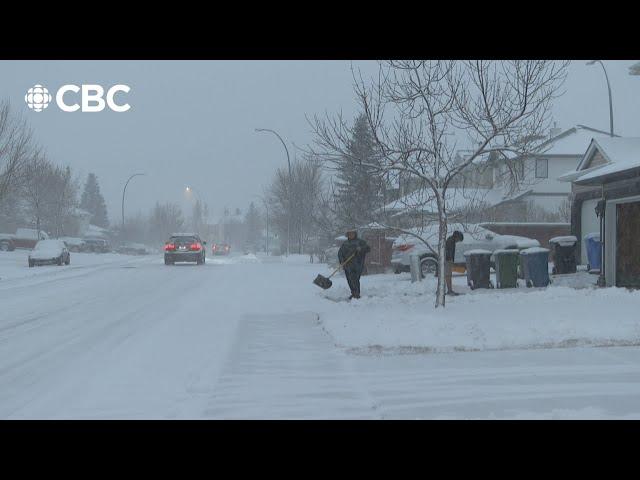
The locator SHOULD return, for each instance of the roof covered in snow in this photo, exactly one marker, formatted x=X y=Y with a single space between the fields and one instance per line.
x=573 y=141
x=456 y=199
x=620 y=153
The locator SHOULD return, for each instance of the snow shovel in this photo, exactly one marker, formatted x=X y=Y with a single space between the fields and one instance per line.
x=324 y=282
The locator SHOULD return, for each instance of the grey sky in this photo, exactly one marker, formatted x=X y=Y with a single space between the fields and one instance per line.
x=192 y=122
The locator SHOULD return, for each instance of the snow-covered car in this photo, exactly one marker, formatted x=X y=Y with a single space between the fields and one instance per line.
x=475 y=237
x=23 y=238
x=49 y=252
x=132 y=249
x=97 y=245
x=74 y=244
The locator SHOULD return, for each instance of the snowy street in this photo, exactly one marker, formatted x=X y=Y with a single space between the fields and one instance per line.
x=118 y=336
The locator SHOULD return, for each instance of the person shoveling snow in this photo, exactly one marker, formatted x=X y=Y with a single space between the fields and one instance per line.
x=351 y=257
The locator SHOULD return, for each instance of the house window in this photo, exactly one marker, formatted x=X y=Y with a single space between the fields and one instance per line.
x=542 y=168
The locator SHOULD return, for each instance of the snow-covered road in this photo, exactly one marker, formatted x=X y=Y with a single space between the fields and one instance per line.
x=127 y=337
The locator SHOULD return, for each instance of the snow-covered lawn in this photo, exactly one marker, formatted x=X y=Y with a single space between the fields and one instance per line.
x=397 y=316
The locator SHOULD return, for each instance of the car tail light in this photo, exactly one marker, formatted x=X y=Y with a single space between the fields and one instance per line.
x=196 y=246
x=405 y=247
x=169 y=246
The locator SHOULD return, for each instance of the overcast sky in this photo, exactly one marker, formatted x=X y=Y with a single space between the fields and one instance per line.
x=192 y=122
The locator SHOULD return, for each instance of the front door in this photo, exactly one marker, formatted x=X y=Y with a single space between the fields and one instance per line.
x=628 y=245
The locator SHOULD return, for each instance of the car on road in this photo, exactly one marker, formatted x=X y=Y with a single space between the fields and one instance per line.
x=475 y=237
x=184 y=247
x=23 y=238
x=221 y=249
x=50 y=252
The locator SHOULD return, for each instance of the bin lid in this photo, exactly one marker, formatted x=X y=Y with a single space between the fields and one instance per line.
x=592 y=235
x=507 y=251
x=565 y=241
x=532 y=250
x=477 y=251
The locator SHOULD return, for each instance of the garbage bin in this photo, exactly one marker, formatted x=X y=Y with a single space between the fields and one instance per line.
x=506 y=268
x=564 y=254
x=535 y=266
x=478 y=268
x=594 y=252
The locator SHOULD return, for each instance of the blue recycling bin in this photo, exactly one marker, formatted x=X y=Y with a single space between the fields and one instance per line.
x=594 y=252
x=535 y=266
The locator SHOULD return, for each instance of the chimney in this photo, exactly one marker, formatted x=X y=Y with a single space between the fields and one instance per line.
x=555 y=131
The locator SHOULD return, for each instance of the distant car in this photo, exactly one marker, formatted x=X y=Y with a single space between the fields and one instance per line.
x=50 y=252
x=75 y=244
x=474 y=238
x=132 y=249
x=221 y=249
x=96 y=245
x=184 y=247
x=23 y=238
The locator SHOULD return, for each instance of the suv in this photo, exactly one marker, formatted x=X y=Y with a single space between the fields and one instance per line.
x=184 y=247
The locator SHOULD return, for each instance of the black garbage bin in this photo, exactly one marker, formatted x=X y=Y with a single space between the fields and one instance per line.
x=478 y=268
x=564 y=254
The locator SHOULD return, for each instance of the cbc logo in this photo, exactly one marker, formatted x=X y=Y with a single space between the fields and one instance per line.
x=91 y=98
x=37 y=98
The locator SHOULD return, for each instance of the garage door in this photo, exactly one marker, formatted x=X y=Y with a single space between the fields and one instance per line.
x=627 y=248
x=589 y=223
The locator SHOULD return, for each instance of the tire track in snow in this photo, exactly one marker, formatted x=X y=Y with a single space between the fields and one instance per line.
x=284 y=366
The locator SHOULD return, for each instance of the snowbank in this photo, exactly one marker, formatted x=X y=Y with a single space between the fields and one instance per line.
x=398 y=316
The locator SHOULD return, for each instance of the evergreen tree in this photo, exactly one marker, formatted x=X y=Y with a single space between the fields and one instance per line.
x=93 y=202
x=359 y=189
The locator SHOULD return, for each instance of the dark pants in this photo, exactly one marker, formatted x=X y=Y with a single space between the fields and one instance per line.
x=353 y=279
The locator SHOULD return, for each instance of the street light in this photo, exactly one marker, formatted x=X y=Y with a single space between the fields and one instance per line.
x=189 y=189
x=289 y=189
x=124 y=190
x=593 y=62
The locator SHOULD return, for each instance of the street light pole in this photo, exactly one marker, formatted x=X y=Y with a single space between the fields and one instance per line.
x=592 y=62
x=124 y=190
x=289 y=189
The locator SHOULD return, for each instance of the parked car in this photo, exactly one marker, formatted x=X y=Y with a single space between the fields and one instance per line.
x=50 y=252
x=97 y=245
x=221 y=249
x=74 y=244
x=23 y=238
x=132 y=249
x=474 y=238
x=184 y=247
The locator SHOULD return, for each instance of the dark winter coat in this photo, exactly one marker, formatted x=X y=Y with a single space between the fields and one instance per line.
x=356 y=265
x=450 y=249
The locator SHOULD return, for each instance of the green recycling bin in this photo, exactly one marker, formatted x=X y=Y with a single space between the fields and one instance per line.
x=506 y=262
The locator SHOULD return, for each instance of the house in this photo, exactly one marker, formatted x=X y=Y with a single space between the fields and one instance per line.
x=543 y=196
x=536 y=195
x=608 y=179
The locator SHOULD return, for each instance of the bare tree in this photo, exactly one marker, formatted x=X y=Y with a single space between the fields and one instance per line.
x=15 y=149
x=305 y=187
x=422 y=112
x=37 y=189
